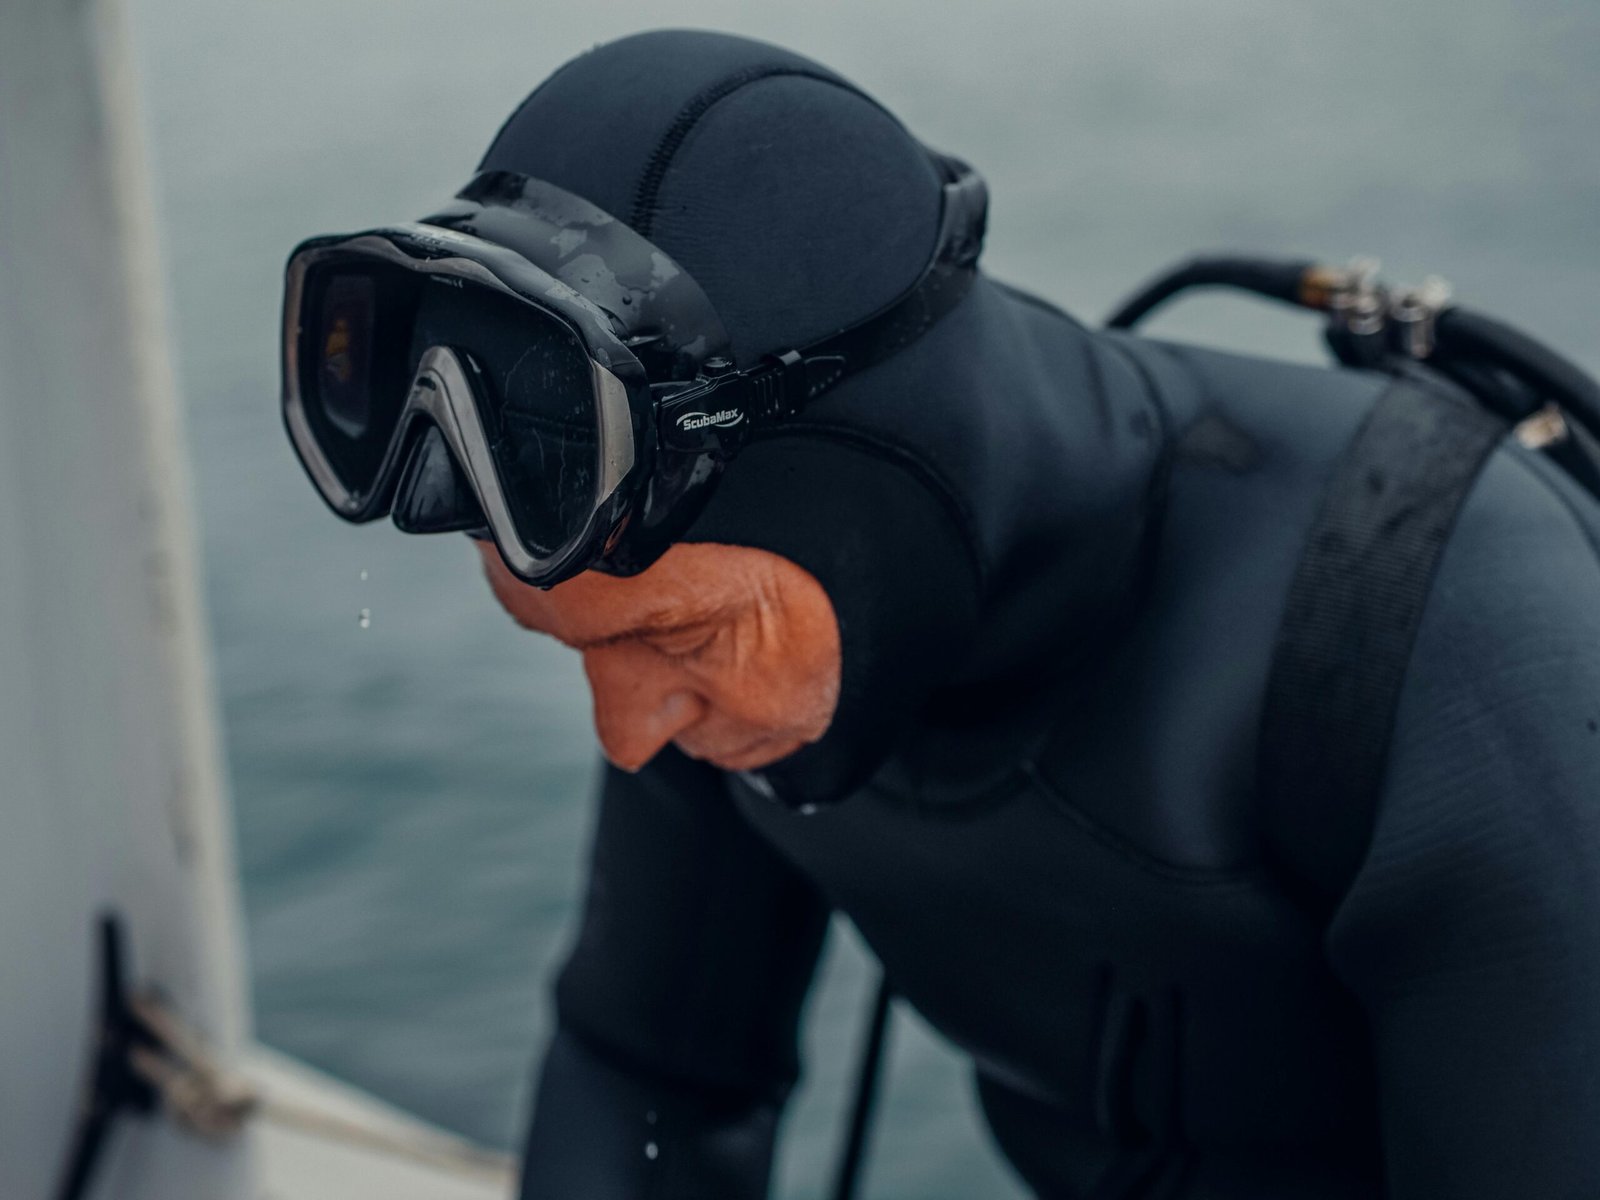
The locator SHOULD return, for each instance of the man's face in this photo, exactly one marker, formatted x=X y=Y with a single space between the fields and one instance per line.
x=729 y=652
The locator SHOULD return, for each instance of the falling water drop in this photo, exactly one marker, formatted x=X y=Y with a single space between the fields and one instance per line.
x=364 y=618
x=363 y=574
x=651 y=1150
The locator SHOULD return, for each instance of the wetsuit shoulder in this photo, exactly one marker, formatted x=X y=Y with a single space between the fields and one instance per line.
x=1471 y=934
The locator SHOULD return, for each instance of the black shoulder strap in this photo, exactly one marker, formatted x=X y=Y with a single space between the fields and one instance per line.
x=1353 y=611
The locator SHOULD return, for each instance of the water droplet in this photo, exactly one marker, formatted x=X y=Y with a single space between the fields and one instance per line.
x=650 y=1117
x=364 y=618
x=759 y=784
x=808 y=810
x=651 y=1150
x=363 y=574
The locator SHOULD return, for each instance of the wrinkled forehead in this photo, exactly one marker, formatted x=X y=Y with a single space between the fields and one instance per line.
x=689 y=585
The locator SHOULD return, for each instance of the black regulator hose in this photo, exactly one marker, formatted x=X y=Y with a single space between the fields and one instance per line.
x=1511 y=369
x=1498 y=391
x=1471 y=337
x=1510 y=373
x=1274 y=279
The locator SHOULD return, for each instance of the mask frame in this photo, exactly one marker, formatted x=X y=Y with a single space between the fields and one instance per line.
x=670 y=408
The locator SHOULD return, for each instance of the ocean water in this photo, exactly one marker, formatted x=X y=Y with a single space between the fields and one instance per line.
x=412 y=791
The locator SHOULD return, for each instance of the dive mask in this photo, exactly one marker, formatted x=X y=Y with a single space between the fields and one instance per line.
x=525 y=367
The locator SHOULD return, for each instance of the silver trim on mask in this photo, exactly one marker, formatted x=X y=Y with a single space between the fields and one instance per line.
x=442 y=391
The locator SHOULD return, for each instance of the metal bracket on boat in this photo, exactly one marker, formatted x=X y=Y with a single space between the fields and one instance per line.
x=194 y=1090
x=144 y=1060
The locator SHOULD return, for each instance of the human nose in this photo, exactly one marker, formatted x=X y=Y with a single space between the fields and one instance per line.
x=639 y=706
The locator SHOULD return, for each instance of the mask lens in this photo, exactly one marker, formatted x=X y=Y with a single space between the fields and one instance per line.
x=354 y=376
x=535 y=397
x=344 y=345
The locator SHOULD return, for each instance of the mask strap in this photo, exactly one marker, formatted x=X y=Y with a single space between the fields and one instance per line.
x=717 y=414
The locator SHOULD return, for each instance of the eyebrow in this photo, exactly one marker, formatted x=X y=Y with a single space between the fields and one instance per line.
x=656 y=625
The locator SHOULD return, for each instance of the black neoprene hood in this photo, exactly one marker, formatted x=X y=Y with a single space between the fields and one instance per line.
x=801 y=206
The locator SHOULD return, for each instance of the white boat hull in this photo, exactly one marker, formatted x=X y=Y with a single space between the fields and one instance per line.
x=112 y=796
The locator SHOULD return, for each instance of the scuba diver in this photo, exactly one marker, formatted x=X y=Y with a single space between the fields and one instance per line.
x=1206 y=746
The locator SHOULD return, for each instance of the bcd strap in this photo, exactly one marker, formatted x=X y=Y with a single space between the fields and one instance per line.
x=1353 y=610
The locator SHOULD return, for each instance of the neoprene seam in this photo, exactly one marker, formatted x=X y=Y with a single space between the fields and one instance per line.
x=1038 y=302
x=1158 y=402
x=977 y=803
x=1249 y=875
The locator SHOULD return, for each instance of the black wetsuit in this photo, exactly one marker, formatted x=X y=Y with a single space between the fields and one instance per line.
x=1060 y=559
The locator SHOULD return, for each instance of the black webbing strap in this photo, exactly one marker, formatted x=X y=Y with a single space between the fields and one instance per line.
x=1353 y=611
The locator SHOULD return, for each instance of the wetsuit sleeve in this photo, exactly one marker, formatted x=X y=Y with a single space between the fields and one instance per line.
x=678 y=1009
x=1471 y=934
